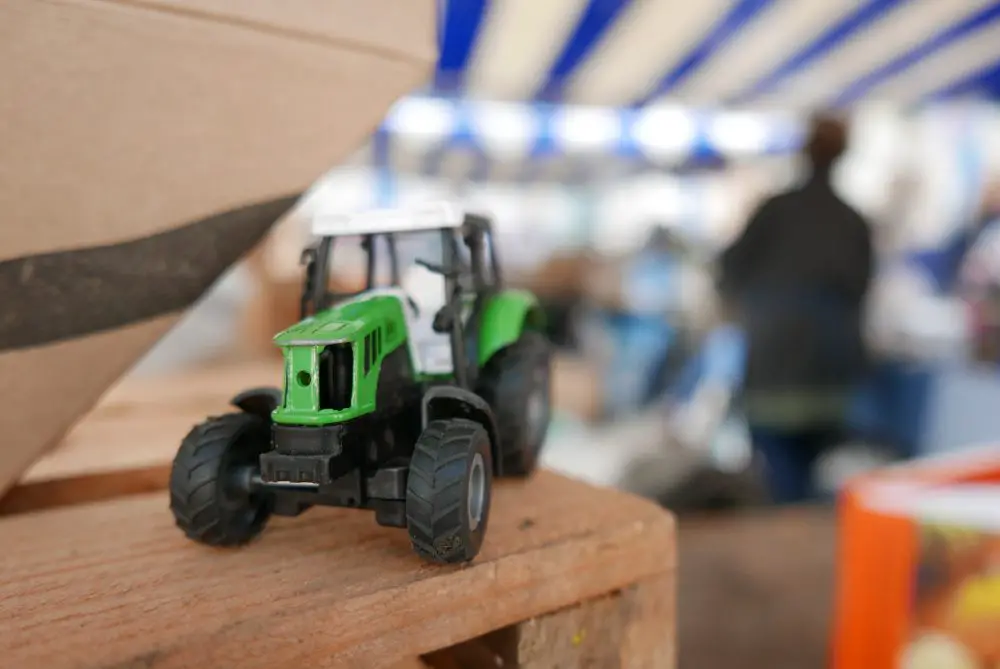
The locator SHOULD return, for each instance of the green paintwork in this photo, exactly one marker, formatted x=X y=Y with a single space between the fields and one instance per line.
x=301 y=345
x=504 y=318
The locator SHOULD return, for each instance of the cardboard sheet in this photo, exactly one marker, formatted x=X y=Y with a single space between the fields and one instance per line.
x=147 y=146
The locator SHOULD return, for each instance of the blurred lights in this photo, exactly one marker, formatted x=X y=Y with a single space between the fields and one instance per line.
x=587 y=128
x=664 y=132
x=507 y=129
x=739 y=133
x=422 y=117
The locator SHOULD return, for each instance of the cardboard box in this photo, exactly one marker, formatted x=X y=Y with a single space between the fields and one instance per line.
x=148 y=146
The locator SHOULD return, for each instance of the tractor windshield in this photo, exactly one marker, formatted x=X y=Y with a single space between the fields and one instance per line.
x=362 y=263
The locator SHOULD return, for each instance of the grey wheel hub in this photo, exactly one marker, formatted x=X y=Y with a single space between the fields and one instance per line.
x=477 y=492
x=537 y=410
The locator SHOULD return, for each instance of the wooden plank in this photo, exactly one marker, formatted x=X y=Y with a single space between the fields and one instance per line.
x=628 y=628
x=126 y=444
x=115 y=584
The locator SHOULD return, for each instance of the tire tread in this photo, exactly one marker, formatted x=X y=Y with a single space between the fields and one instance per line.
x=435 y=488
x=195 y=478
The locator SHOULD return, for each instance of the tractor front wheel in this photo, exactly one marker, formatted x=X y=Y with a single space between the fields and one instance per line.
x=517 y=384
x=210 y=495
x=448 y=490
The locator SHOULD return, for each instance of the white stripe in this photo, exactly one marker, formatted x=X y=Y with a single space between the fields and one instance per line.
x=949 y=65
x=646 y=42
x=894 y=34
x=785 y=28
x=517 y=44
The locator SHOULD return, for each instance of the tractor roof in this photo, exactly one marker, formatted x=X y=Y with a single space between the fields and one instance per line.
x=429 y=216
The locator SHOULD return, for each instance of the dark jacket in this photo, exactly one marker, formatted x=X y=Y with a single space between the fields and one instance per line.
x=797 y=279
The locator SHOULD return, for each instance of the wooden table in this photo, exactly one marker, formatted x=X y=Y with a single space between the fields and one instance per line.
x=96 y=575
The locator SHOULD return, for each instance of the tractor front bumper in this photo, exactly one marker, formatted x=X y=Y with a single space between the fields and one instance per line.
x=308 y=465
x=302 y=455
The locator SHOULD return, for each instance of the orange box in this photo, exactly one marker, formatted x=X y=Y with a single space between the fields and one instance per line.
x=919 y=551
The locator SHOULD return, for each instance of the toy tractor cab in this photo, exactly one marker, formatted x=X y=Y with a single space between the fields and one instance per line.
x=385 y=405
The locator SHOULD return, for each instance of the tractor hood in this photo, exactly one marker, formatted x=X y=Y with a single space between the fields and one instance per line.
x=340 y=323
x=323 y=328
x=332 y=359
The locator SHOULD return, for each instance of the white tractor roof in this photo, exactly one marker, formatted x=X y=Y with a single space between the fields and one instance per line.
x=427 y=216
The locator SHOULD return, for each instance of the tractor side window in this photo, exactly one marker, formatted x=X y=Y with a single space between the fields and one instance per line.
x=336 y=376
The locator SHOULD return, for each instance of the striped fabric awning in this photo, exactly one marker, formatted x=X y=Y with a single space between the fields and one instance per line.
x=785 y=53
x=578 y=90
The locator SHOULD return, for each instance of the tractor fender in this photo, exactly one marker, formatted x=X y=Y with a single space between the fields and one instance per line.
x=455 y=402
x=258 y=401
x=504 y=317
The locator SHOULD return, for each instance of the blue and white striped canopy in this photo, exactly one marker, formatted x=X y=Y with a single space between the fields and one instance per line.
x=788 y=53
x=577 y=90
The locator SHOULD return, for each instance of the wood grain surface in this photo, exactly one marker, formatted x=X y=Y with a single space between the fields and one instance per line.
x=115 y=584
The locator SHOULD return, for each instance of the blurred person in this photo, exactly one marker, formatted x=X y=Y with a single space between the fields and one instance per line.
x=796 y=280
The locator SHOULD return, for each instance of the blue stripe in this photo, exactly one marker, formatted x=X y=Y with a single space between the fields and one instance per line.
x=869 y=13
x=991 y=82
x=739 y=15
x=598 y=16
x=984 y=82
x=462 y=21
x=977 y=21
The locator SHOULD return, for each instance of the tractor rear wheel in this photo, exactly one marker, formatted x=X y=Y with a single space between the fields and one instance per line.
x=209 y=492
x=517 y=384
x=448 y=490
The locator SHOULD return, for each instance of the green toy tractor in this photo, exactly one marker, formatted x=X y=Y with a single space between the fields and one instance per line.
x=384 y=406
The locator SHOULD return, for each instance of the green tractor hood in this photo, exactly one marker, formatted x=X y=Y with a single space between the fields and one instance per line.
x=332 y=360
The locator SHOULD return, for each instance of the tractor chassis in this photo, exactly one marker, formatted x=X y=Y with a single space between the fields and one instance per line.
x=382 y=490
x=309 y=466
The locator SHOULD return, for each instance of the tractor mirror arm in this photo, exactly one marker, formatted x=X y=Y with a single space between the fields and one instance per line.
x=437 y=269
x=308 y=260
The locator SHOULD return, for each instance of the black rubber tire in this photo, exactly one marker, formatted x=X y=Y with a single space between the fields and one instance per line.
x=441 y=520
x=205 y=503
x=509 y=382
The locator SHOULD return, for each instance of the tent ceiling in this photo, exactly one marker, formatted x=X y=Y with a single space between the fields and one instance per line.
x=788 y=53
